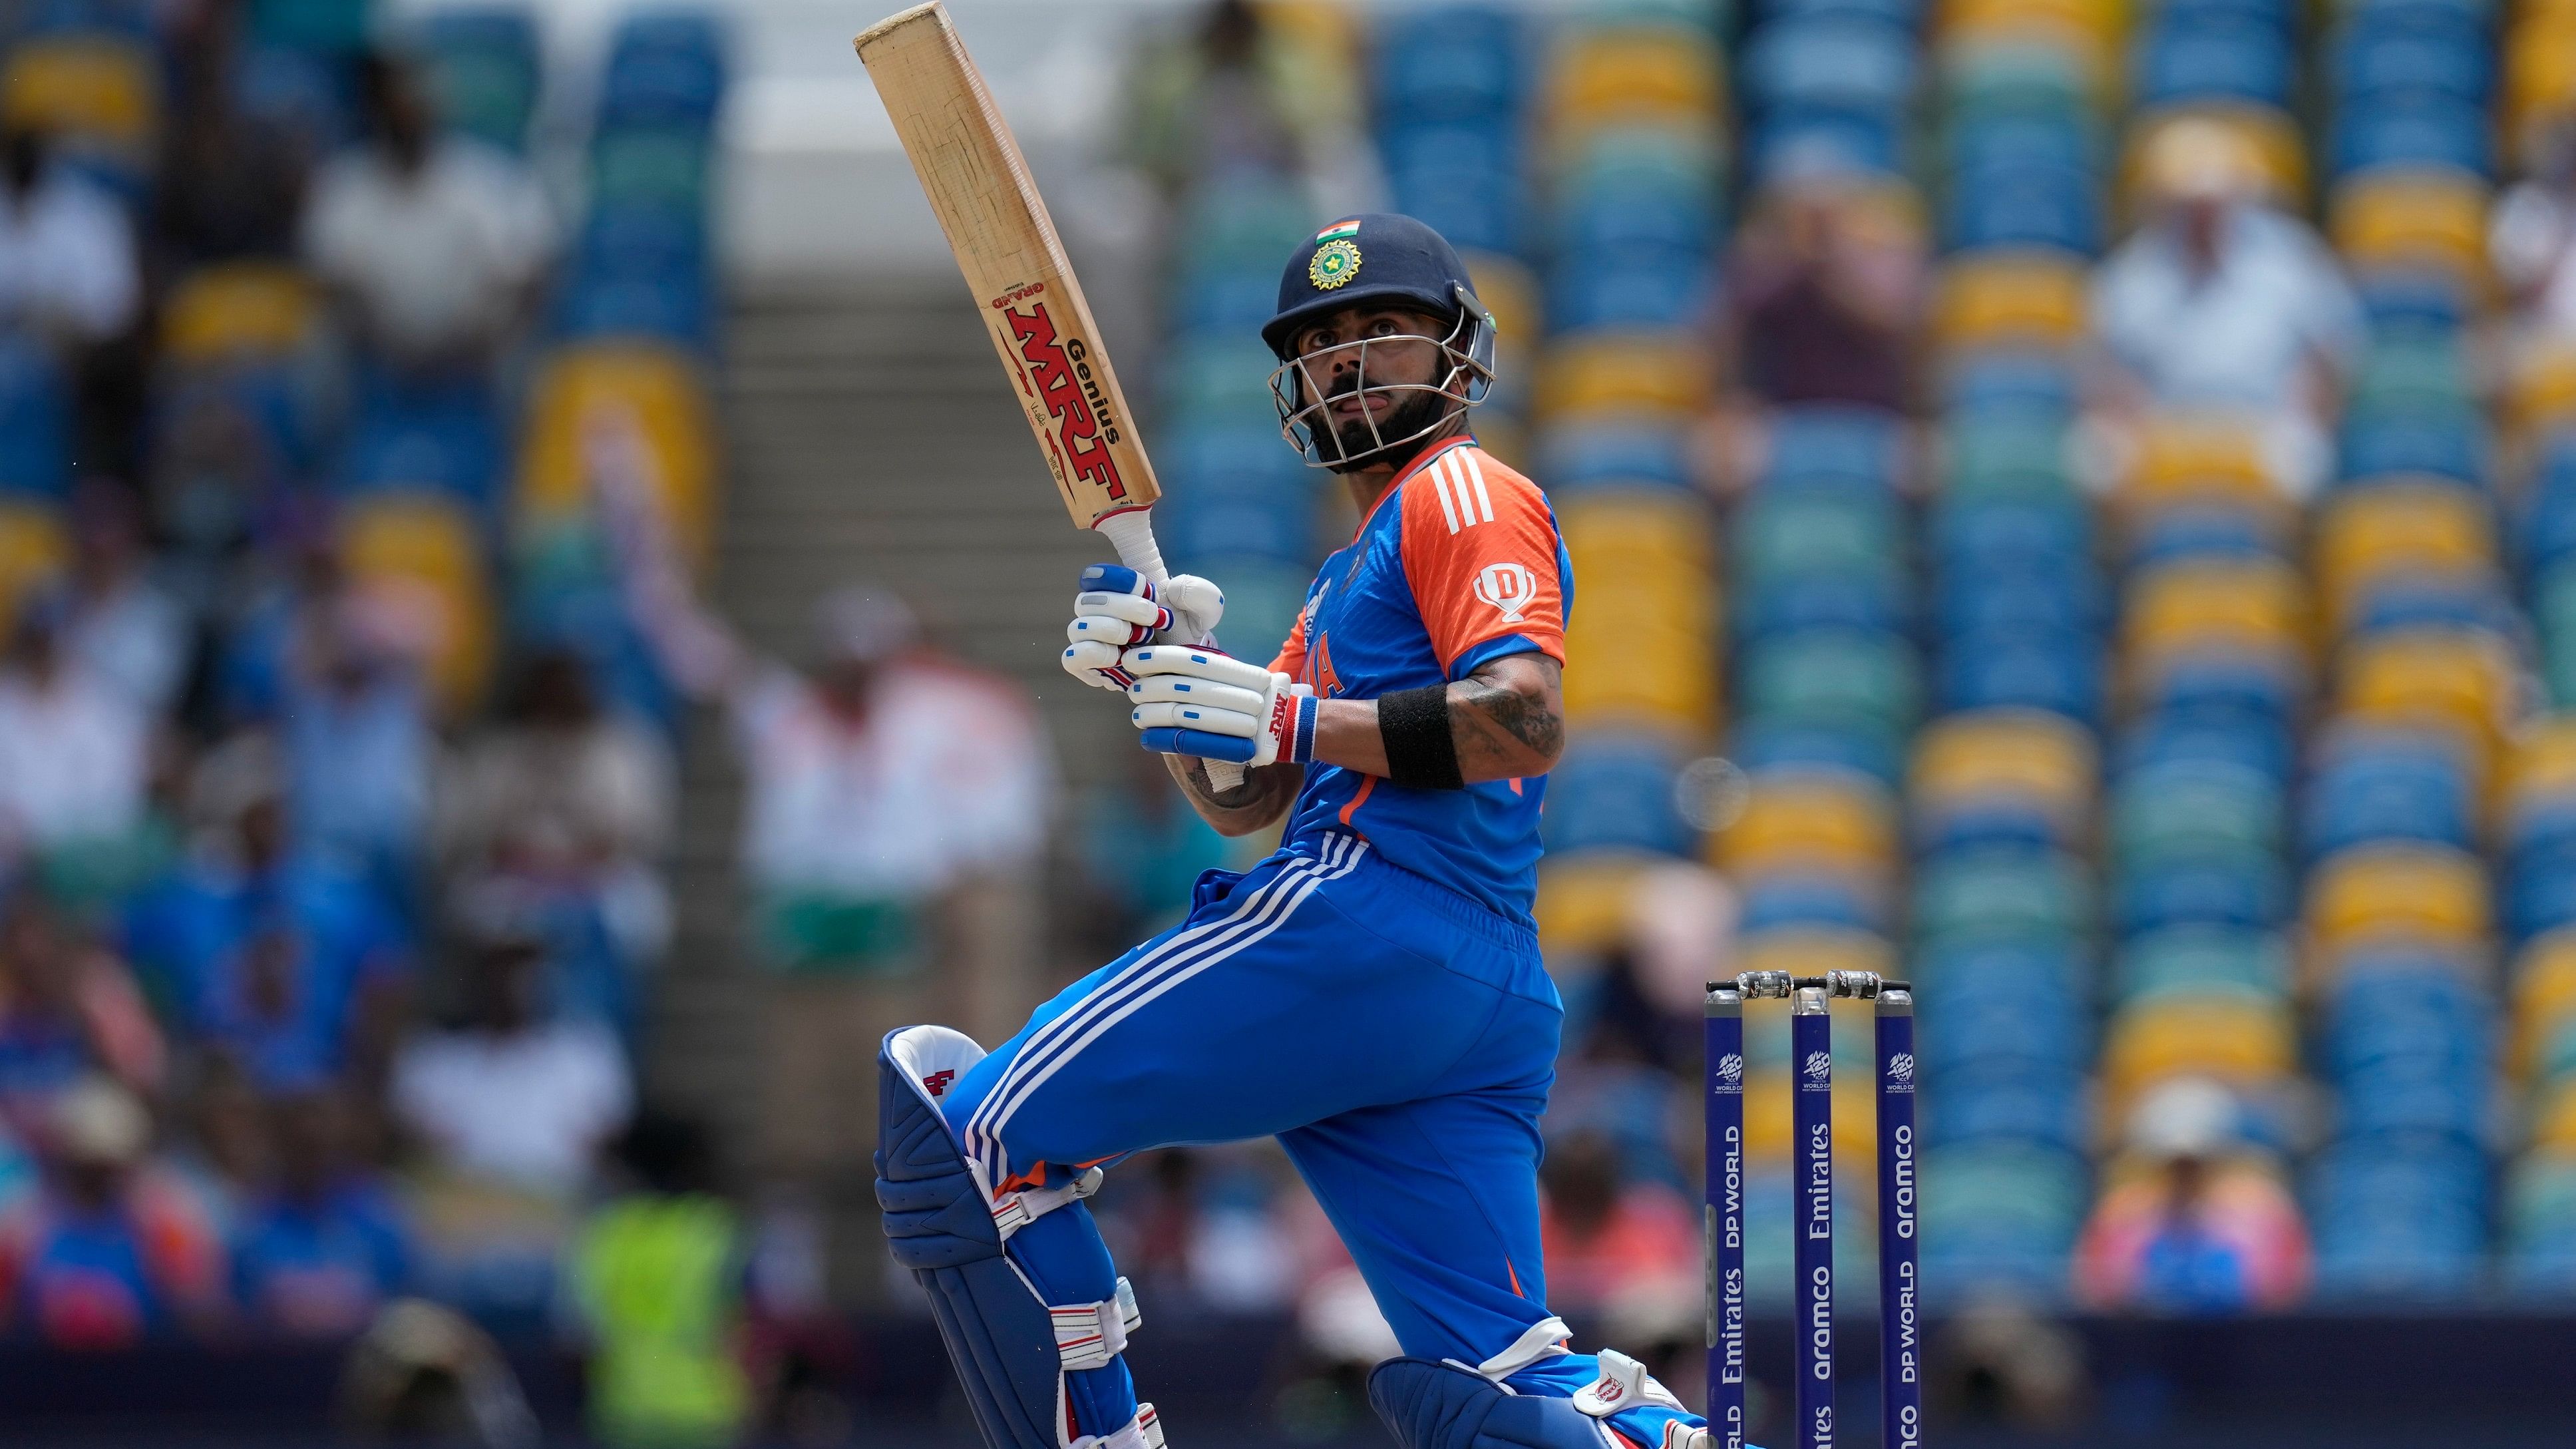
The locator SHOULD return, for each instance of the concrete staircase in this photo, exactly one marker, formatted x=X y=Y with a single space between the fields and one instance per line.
x=872 y=436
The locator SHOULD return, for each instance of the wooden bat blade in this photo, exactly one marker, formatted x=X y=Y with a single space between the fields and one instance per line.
x=1007 y=247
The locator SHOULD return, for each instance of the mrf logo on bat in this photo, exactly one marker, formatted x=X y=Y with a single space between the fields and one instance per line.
x=1057 y=372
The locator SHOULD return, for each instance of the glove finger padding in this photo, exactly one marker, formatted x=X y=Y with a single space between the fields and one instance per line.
x=1198 y=717
x=1096 y=663
x=1196 y=604
x=1206 y=693
x=1147 y=660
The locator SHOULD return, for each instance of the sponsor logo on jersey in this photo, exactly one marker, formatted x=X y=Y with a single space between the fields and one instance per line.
x=1509 y=587
x=1057 y=374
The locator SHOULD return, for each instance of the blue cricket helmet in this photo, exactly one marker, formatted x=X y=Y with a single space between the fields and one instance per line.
x=1378 y=257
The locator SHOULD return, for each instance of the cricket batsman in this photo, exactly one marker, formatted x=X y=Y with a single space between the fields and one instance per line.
x=1371 y=995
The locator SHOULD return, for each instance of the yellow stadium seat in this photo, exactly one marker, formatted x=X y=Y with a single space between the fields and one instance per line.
x=94 y=91
x=2417 y=219
x=2544 y=995
x=2366 y=534
x=2106 y=20
x=2542 y=762
x=1655 y=372
x=2539 y=76
x=1509 y=291
x=1611 y=76
x=2235 y=1039
x=1582 y=905
x=2247 y=603
x=34 y=550
x=2192 y=460
x=1671 y=687
x=1608 y=534
x=2553 y=1118
x=2464 y=680
x=2540 y=393
x=238 y=309
x=656 y=390
x=2269 y=140
x=1833 y=820
x=2414 y=890
x=1767 y=1119
x=2015 y=753
x=2006 y=295
x=425 y=543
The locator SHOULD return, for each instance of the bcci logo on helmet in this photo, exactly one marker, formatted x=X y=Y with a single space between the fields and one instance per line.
x=1900 y=1071
x=1820 y=1068
x=1730 y=1073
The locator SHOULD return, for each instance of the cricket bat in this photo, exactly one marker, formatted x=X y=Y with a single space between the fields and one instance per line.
x=1033 y=308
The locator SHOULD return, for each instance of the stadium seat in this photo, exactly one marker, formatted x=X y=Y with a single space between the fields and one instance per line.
x=2001 y=891
x=238 y=311
x=1969 y=758
x=664 y=165
x=2005 y=458
x=483 y=71
x=2188 y=809
x=1623 y=373
x=97 y=91
x=35 y=548
x=1823 y=821
x=35 y=410
x=2411 y=220
x=2267 y=132
x=2010 y=382
x=2242 y=1039
x=1449 y=63
x=1830 y=445
x=1831 y=675
x=664 y=66
x=2399 y=890
x=2212 y=58
x=446 y=440
x=1769 y=744
x=1583 y=900
x=433 y=550
x=2021 y=668
x=2365 y=534
x=2388 y=784
x=2184 y=961
x=2460 y=679
x=2010 y=297
x=1625 y=76
x=1632 y=673
x=2246 y=605
x=1615 y=455
x=1784 y=534
x=2238 y=889
x=2414 y=132
x=1614 y=791
x=656 y=390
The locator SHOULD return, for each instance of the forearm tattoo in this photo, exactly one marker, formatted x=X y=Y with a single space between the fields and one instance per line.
x=1499 y=727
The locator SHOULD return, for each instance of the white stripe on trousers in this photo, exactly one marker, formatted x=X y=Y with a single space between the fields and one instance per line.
x=1180 y=958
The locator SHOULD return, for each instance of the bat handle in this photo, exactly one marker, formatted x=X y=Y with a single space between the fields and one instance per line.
x=1132 y=534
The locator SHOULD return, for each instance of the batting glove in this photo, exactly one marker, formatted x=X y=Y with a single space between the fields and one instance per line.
x=1199 y=701
x=1119 y=607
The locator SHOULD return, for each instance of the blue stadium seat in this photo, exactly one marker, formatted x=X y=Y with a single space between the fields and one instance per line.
x=2010 y=1102
x=448 y=440
x=35 y=453
x=1905 y=13
x=1774 y=902
x=2213 y=59
x=679 y=308
x=2178 y=532
x=2247 y=890
x=1226 y=301
x=1610 y=212
x=1982 y=142
x=1969 y=534
x=2398 y=1216
x=1451 y=63
x=2003 y=822
x=1615 y=792
x=2257 y=742
x=1204 y=458
x=1836 y=62
x=1876 y=601
x=485 y=65
x=2276 y=16
x=2003 y=383
x=1633 y=288
x=1830 y=444
x=2414 y=303
x=1622 y=454
x=2413 y=130
x=2442 y=442
x=664 y=66
x=1476 y=212
x=2022 y=205
x=2024 y=1017
x=1805 y=140
x=2548 y=531
x=2408 y=602
x=1760 y=745
x=2387 y=54
x=2058 y=671
x=1486 y=151
x=1280 y=526
x=1996 y=596
x=2193 y=959
x=2386 y=785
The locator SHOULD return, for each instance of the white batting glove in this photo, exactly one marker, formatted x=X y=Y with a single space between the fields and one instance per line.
x=1119 y=607
x=1200 y=701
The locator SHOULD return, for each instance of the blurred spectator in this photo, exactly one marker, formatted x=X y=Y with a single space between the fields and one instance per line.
x=355 y=723
x=425 y=1374
x=68 y=1009
x=514 y=1095
x=74 y=748
x=658 y=1279
x=1231 y=99
x=67 y=269
x=230 y=181
x=565 y=793
x=326 y=1246
x=897 y=811
x=1162 y=846
x=2532 y=238
x=1825 y=291
x=113 y=1251
x=1626 y=1250
x=119 y=623
x=271 y=952
x=2222 y=303
x=2193 y=1221
x=434 y=243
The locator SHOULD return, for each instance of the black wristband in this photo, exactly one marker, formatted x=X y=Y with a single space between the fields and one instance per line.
x=1414 y=726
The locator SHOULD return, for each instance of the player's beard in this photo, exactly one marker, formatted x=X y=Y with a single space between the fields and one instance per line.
x=1350 y=444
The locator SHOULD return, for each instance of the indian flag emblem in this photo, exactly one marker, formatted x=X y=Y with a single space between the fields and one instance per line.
x=1338 y=231
x=1334 y=264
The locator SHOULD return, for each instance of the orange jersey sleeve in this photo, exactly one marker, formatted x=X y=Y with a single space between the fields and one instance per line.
x=1481 y=556
x=1292 y=651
